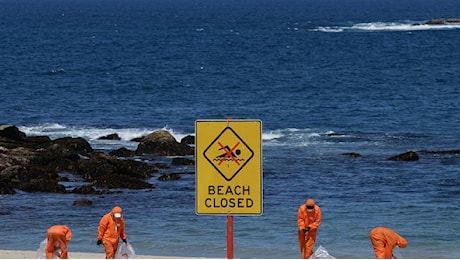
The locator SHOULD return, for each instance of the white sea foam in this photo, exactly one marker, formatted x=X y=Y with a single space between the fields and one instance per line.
x=287 y=136
x=92 y=133
x=387 y=26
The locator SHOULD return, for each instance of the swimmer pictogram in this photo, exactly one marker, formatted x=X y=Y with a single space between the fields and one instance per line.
x=228 y=153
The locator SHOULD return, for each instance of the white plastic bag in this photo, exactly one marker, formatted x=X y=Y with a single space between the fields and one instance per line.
x=125 y=251
x=41 y=252
x=321 y=253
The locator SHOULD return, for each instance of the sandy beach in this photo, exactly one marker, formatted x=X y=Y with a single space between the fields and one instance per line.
x=18 y=254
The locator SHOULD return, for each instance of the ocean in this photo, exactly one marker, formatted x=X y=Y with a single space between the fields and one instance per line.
x=324 y=77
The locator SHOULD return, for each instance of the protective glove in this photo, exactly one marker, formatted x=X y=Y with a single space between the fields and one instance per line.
x=99 y=242
x=125 y=241
x=305 y=230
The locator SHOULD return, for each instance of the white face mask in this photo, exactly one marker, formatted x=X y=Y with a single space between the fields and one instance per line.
x=310 y=210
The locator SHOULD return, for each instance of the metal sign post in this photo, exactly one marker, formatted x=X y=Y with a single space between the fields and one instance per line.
x=229 y=237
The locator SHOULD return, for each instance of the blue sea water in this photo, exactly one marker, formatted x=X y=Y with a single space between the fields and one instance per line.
x=357 y=69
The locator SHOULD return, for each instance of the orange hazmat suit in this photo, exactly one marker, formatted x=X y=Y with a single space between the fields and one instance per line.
x=384 y=240
x=308 y=222
x=111 y=229
x=58 y=237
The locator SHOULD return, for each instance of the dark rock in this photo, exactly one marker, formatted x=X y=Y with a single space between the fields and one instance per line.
x=436 y=21
x=106 y=171
x=42 y=185
x=189 y=139
x=407 y=156
x=353 y=155
x=62 y=154
x=335 y=134
x=38 y=140
x=118 y=181
x=69 y=146
x=164 y=149
x=15 y=173
x=443 y=21
x=169 y=177
x=159 y=136
x=12 y=132
x=83 y=202
x=441 y=152
x=15 y=156
x=453 y=20
x=6 y=187
x=32 y=164
x=123 y=152
x=110 y=137
x=162 y=143
x=137 y=139
x=182 y=161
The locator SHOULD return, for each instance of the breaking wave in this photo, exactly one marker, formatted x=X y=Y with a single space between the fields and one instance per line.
x=387 y=26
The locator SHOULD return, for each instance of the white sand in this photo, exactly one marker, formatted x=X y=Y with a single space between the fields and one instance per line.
x=18 y=254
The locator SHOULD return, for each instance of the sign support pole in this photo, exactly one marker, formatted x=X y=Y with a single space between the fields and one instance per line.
x=229 y=236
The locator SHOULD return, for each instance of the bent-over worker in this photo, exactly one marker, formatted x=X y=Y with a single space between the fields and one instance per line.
x=384 y=240
x=57 y=237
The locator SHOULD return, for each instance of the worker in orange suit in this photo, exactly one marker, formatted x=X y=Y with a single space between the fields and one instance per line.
x=111 y=229
x=384 y=240
x=58 y=237
x=308 y=222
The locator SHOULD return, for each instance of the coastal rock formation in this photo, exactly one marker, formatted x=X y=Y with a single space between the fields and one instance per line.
x=32 y=164
x=443 y=21
x=439 y=21
x=106 y=171
x=441 y=152
x=122 y=152
x=110 y=137
x=189 y=139
x=169 y=177
x=83 y=202
x=162 y=143
x=352 y=154
x=407 y=156
x=182 y=161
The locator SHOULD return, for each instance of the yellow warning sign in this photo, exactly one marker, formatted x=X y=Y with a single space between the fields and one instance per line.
x=228 y=167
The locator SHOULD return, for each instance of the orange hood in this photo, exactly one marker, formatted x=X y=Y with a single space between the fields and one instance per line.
x=116 y=209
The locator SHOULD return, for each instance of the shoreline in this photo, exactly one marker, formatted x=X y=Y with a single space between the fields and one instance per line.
x=27 y=254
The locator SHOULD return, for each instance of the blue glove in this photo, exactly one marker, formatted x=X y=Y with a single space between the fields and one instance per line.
x=99 y=242
x=124 y=241
x=305 y=230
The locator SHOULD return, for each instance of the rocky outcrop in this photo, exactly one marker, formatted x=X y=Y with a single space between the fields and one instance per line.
x=169 y=177
x=440 y=21
x=182 y=161
x=106 y=171
x=83 y=202
x=123 y=152
x=441 y=152
x=407 y=156
x=162 y=143
x=110 y=137
x=32 y=164
x=189 y=139
x=443 y=21
x=353 y=155
x=11 y=132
